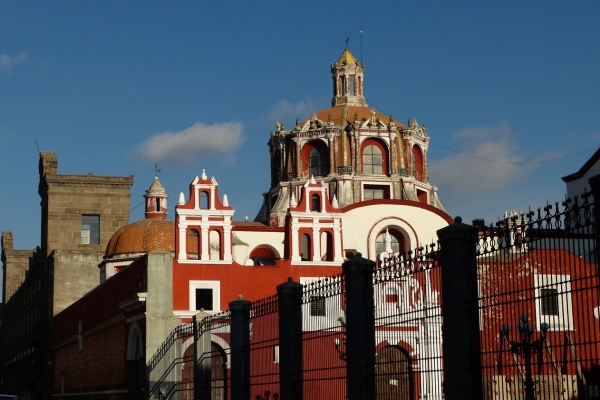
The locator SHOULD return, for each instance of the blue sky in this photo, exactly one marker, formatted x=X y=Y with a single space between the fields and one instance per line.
x=103 y=83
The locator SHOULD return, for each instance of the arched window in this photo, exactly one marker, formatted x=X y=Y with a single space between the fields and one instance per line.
x=305 y=248
x=203 y=200
x=318 y=161
x=315 y=203
x=397 y=242
x=372 y=160
x=417 y=163
x=263 y=256
x=276 y=168
x=192 y=244
x=215 y=245
x=326 y=246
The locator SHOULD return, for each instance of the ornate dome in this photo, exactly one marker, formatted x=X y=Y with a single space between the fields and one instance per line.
x=142 y=237
x=342 y=115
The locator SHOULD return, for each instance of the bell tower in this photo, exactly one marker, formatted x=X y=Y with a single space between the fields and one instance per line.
x=348 y=76
x=156 y=201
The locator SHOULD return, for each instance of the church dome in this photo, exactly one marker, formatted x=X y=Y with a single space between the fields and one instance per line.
x=342 y=115
x=142 y=237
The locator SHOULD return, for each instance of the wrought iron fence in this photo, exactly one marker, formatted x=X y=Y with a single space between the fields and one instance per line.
x=538 y=303
x=529 y=307
x=213 y=355
x=165 y=368
x=408 y=325
x=323 y=338
x=263 y=348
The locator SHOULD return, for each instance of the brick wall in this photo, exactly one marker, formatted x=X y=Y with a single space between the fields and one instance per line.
x=99 y=366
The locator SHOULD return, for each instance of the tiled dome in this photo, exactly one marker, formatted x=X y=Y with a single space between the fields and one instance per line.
x=142 y=237
x=342 y=115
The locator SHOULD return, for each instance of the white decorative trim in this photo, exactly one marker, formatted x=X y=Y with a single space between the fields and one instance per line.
x=216 y=292
x=562 y=283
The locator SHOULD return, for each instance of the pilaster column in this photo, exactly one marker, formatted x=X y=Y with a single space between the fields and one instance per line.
x=204 y=244
x=298 y=173
x=337 y=241
x=425 y=167
x=227 y=243
x=357 y=163
x=331 y=154
x=393 y=154
x=182 y=232
x=316 y=256
x=295 y=250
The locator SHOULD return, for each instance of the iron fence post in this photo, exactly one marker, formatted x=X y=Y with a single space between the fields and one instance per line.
x=290 y=340
x=594 y=182
x=240 y=343
x=202 y=357
x=360 y=328
x=461 y=344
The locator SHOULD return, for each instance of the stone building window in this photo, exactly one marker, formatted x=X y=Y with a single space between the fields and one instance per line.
x=90 y=229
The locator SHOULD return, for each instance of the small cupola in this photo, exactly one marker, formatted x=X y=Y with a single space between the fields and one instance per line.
x=348 y=75
x=156 y=201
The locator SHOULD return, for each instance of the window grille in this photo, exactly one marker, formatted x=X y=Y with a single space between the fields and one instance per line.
x=204 y=299
x=317 y=306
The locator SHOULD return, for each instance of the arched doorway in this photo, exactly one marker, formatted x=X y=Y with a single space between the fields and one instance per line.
x=218 y=375
x=218 y=382
x=187 y=374
x=392 y=374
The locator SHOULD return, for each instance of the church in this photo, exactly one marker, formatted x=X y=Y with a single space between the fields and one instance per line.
x=346 y=179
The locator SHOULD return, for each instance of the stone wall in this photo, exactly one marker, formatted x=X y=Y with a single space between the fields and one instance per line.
x=15 y=264
x=66 y=198
x=75 y=273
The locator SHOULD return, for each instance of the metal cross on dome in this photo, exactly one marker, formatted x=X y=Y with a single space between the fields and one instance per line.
x=347 y=40
x=156 y=169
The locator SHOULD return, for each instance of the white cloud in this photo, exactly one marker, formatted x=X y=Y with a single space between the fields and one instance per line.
x=287 y=112
x=7 y=63
x=494 y=164
x=185 y=146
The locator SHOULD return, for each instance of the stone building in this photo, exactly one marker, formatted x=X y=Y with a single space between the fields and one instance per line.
x=79 y=215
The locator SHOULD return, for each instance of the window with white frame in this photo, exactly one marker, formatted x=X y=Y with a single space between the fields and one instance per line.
x=553 y=301
x=205 y=295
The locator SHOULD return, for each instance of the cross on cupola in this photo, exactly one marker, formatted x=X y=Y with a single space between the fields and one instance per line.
x=348 y=75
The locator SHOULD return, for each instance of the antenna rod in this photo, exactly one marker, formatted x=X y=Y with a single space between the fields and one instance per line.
x=361 y=60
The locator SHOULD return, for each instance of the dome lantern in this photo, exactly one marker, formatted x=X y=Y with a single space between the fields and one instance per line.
x=156 y=201
x=348 y=75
